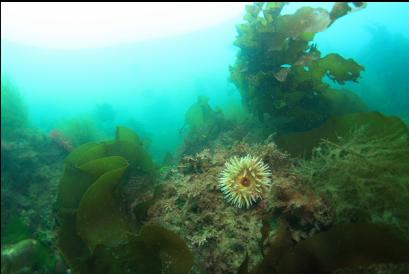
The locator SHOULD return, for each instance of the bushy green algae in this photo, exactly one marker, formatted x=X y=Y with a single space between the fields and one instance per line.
x=364 y=174
x=376 y=124
x=360 y=163
x=95 y=234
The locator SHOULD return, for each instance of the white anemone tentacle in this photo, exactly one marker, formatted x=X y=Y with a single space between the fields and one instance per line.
x=244 y=180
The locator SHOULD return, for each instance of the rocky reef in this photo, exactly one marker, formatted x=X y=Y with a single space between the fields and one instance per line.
x=220 y=234
x=30 y=171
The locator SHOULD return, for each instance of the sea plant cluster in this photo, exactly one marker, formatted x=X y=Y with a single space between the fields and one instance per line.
x=95 y=232
x=280 y=72
x=202 y=123
x=363 y=171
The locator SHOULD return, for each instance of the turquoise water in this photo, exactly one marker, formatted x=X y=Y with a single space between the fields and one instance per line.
x=156 y=81
x=153 y=82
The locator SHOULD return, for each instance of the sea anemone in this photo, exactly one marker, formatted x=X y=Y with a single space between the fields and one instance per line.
x=244 y=180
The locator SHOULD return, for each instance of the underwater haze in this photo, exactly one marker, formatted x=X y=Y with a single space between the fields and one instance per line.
x=138 y=79
x=224 y=139
x=153 y=82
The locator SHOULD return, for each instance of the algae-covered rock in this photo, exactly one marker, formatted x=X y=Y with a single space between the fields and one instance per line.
x=218 y=233
x=14 y=114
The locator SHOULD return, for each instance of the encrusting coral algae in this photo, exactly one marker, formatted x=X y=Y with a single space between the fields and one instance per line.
x=244 y=180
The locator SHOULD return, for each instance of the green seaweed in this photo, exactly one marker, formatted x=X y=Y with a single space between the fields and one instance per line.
x=125 y=134
x=89 y=161
x=343 y=245
x=95 y=235
x=81 y=130
x=364 y=172
x=141 y=209
x=133 y=257
x=45 y=258
x=181 y=259
x=342 y=102
x=73 y=248
x=103 y=165
x=128 y=145
x=142 y=254
x=85 y=153
x=203 y=123
x=200 y=116
x=340 y=69
x=21 y=256
x=195 y=113
x=14 y=230
x=107 y=226
x=281 y=244
x=377 y=124
x=72 y=187
x=304 y=23
x=75 y=180
x=280 y=73
x=243 y=269
x=343 y=8
x=346 y=245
